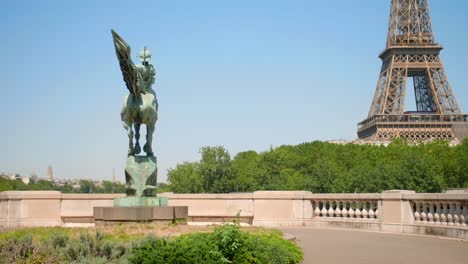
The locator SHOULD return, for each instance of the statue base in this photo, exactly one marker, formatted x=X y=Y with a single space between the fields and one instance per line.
x=135 y=201
x=116 y=215
x=134 y=209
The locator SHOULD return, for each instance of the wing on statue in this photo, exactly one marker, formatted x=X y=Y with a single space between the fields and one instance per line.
x=122 y=50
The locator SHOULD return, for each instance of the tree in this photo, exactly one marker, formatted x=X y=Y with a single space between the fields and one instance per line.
x=243 y=166
x=185 y=178
x=215 y=169
x=87 y=186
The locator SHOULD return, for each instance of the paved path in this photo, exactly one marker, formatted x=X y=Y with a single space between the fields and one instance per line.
x=324 y=246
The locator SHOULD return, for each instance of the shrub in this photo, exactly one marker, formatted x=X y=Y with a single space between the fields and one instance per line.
x=227 y=244
x=187 y=249
x=16 y=249
x=89 y=247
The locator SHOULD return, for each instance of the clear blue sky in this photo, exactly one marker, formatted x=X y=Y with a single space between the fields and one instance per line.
x=243 y=74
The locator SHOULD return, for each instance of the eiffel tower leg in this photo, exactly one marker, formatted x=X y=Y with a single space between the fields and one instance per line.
x=448 y=104
x=379 y=92
x=423 y=93
x=395 y=98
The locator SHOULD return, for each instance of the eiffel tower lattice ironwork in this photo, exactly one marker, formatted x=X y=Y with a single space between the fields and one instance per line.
x=412 y=52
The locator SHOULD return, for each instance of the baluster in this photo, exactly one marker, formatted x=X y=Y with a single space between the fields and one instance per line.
x=377 y=209
x=364 y=212
x=331 y=212
x=357 y=212
x=456 y=213
x=351 y=209
x=324 y=208
x=423 y=213
x=371 y=210
x=436 y=213
x=450 y=214
x=430 y=214
x=464 y=215
x=344 y=211
x=317 y=208
x=337 y=210
x=417 y=215
x=443 y=214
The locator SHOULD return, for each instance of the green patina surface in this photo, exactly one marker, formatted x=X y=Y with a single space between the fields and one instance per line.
x=134 y=201
x=140 y=108
x=140 y=175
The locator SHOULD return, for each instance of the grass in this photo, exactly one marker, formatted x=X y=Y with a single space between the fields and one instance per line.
x=126 y=232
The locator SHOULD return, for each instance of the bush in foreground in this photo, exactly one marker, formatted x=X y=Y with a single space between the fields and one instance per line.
x=227 y=244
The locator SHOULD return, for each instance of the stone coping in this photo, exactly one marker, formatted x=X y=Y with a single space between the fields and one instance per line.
x=208 y=196
x=93 y=196
x=436 y=196
x=344 y=196
x=18 y=195
x=275 y=195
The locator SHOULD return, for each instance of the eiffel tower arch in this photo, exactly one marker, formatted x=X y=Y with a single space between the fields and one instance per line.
x=412 y=52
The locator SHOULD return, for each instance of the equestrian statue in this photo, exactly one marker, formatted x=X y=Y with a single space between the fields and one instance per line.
x=140 y=105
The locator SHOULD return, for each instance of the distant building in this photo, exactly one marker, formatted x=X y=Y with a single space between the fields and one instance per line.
x=25 y=180
x=50 y=173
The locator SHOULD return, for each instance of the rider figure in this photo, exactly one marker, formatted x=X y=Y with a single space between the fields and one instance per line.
x=146 y=72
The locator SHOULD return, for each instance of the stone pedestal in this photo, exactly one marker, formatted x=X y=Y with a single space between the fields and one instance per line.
x=117 y=215
x=141 y=203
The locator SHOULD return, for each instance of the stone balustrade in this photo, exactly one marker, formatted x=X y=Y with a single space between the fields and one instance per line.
x=443 y=214
x=347 y=207
x=442 y=210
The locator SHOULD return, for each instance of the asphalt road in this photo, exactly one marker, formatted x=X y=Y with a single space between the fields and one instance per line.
x=345 y=246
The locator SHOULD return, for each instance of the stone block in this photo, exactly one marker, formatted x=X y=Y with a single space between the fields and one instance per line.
x=139 y=214
x=180 y=212
x=164 y=213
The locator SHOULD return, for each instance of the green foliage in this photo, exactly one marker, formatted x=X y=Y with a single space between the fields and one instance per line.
x=185 y=179
x=227 y=244
x=243 y=166
x=215 y=169
x=327 y=168
x=187 y=249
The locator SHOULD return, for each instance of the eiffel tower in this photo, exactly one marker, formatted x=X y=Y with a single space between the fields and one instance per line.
x=412 y=52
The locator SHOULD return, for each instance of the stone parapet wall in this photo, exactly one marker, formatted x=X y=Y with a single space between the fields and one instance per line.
x=213 y=208
x=442 y=214
x=30 y=209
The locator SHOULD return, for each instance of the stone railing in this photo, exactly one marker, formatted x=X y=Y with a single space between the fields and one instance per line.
x=439 y=210
x=391 y=211
x=346 y=207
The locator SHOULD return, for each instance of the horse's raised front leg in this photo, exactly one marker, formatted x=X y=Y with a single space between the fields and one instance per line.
x=137 y=148
x=149 y=140
x=128 y=127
